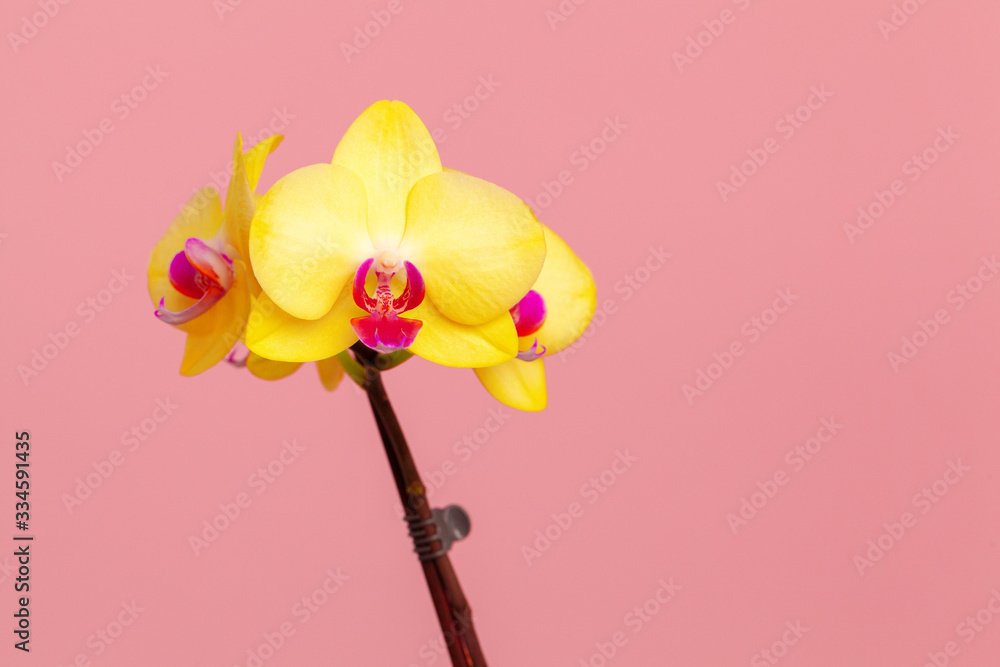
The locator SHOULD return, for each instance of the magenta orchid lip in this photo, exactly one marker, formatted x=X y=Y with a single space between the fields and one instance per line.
x=200 y=272
x=529 y=315
x=383 y=329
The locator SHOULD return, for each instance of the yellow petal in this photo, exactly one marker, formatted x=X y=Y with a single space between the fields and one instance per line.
x=273 y=333
x=240 y=200
x=201 y=217
x=449 y=343
x=255 y=157
x=519 y=384
x=389 y=147
x=308 y=238
x=267 y=369
x=569 y=292
x=212 y=335
x=478 y=246
x=330 y=372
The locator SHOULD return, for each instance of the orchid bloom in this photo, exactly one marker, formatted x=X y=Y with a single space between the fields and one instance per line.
x=200 y=280
x=387 y=247
x=552 y=315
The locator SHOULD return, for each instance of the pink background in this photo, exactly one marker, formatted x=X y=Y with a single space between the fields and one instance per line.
x=622 y=388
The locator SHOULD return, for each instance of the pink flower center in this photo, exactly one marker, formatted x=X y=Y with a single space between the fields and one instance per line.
x=529 y=315
x=186 y=279
x=200 y=272
x=383 y=329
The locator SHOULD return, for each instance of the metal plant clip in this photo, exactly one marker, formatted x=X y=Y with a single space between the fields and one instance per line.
x=452 y=524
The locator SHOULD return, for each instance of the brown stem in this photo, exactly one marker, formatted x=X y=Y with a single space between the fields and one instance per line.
x=453 y=611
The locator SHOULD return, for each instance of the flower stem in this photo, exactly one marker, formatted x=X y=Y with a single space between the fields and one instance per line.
x=453 y=611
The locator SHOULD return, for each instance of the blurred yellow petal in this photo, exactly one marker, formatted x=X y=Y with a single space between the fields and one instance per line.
x=275 y=334
x=479 y=247
x=519 y=384
x=308 y=238
x=569 y=292
x=267 y=369
x=211 y=336
x=389 y=147
x=330 y=372
x=449 y=343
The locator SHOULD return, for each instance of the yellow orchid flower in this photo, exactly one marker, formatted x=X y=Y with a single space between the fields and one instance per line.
x=199 y=276
x=385 y=206
x=548 y=319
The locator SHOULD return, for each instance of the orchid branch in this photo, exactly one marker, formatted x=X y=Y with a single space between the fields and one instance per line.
x=453 y=611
